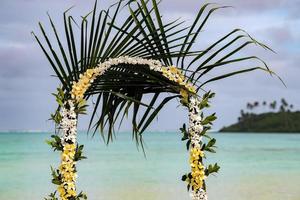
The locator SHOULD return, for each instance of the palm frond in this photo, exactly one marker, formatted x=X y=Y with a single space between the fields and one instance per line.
x=143 y=33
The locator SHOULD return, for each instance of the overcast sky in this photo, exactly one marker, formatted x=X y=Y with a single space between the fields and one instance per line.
x=25 y=82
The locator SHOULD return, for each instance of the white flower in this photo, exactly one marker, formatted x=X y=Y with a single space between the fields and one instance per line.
x=68 y=123
x=153 y=64
x=196 y=117
x=199 y=195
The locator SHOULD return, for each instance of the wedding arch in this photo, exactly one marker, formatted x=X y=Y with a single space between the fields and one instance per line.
x=120 y=65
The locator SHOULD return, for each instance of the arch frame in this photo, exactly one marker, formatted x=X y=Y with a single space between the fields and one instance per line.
x=71 y=151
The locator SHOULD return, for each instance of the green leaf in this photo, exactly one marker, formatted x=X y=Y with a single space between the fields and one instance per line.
x=184 y=177
x=55 y=143
x=212 y=169
x=78 y=154
x=210 y=146
x=209 y=119
x=184 y=131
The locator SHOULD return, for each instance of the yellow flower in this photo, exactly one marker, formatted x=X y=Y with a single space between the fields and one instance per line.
x=196 y=152
x=191 y=88
x=174 y=70
x=84 y=82
x=164 y=70
x=67 y=171
x=61 y=190
x=198 y=169
x=67 y=167
x=71 y=192
x=89 y=73
x=64 y=157
x=184 y=94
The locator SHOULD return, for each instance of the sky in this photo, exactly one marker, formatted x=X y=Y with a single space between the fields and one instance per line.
x=26 y=83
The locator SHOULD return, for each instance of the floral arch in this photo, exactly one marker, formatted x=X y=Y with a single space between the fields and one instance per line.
x=120 y=64
x=68 y=143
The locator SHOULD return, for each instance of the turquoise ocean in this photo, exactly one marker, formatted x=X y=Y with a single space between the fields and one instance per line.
x=253 y=167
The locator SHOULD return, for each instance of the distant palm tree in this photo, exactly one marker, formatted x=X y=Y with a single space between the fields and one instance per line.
x=284 y=102
x=264 y=104
x=249 y=106
x=243 y=115
x=284 y=105
x=273 y=105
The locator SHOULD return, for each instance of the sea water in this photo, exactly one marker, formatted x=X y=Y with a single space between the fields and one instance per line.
x=253 y=167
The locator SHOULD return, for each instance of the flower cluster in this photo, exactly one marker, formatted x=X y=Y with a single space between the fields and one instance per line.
x=85 y=80
x=172 y=73
x=195 y=121
x=68 y=123
x=67 y=167
x=199 y=195
x=176 y=75
x=67 y=170
x=197 y=175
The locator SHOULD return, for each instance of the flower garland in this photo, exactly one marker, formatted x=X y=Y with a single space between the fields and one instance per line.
x=66 y=174
x=67 y=169
x=196 y=154
x=68 y=124
x=86 y=79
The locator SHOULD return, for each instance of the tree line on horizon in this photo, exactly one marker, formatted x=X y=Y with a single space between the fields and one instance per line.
x=273 y=106
x=274 y=116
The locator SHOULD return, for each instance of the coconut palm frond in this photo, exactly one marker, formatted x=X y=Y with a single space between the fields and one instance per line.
x=126 y=89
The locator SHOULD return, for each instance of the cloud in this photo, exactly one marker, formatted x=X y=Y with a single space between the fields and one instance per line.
x=248 y=7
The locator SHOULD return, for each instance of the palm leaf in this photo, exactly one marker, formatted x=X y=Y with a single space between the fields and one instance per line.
x=144 y=33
